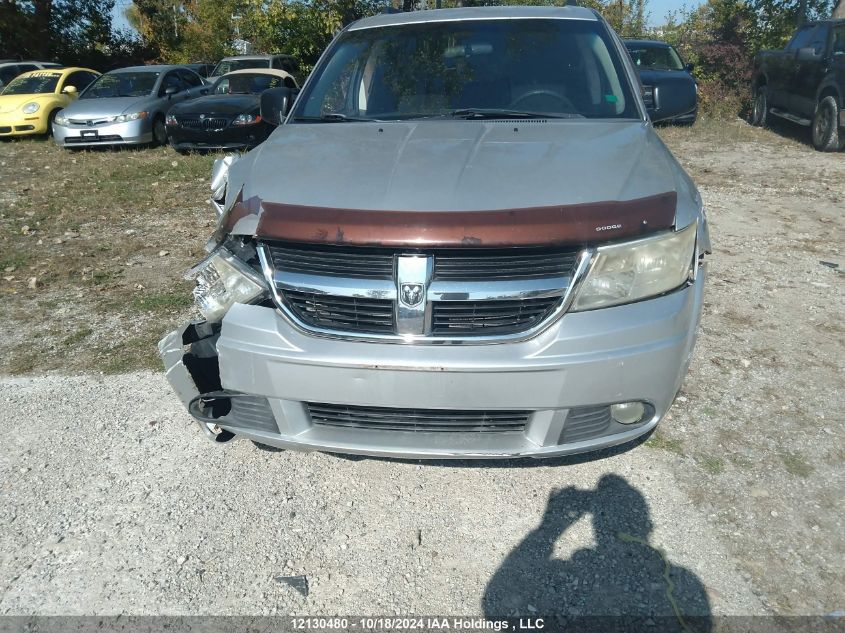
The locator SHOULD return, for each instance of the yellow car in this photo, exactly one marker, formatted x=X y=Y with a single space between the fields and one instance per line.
x=29 y=102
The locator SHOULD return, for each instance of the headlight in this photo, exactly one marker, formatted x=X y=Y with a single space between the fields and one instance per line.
x=171 y=120
x=60 y=119
x=247 y=119
x=622 y=273
x=134 y=116
x=223 y=280
x=31 y=108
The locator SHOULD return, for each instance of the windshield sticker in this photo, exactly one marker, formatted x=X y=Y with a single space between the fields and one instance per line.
x=611 y=98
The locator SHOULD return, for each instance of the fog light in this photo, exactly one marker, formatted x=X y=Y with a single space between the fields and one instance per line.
x=628 y=412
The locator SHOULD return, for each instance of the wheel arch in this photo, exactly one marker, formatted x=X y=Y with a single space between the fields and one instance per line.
x=829 y=90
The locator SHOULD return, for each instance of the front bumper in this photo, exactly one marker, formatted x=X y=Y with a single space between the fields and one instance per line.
x=129 y=133
x=18 y=124
x=637 y=352
x=247 y=136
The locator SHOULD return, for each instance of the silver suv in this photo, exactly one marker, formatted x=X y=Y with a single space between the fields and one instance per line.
x=463 y=240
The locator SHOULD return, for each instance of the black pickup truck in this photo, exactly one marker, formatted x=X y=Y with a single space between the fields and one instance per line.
x=805 y=83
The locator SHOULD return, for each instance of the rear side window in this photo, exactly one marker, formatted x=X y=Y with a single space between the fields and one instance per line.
x=190 y=79
x=839 y=40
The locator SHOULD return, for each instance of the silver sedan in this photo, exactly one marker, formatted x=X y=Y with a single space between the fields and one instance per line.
x=126 y=107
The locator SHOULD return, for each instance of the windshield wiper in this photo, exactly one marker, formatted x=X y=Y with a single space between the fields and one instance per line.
x=332 y=117
x=495 y=113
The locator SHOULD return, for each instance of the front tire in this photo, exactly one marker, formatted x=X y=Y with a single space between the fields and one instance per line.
x=760 y=112
x=825 y=127
x=159 y=131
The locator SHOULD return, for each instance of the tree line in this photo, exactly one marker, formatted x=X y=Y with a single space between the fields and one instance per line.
x=721 y=37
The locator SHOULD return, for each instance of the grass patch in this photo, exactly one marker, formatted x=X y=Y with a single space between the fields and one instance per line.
x=162 y=302
x=77 y=337
x=795 y=464
x=712 y=465
x=101 y=223
x=132 y=354
x=662 y=442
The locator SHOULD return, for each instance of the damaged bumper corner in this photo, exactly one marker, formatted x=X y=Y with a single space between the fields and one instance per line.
x=190 y=364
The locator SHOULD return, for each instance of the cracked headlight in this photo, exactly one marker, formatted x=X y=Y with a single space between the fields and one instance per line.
x=31 y=108
x=222 y=281
x=631 y=271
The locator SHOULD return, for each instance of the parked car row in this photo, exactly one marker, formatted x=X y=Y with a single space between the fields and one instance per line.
x=146 y=104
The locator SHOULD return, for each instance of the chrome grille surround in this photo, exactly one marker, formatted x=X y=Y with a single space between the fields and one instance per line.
x=417 y=294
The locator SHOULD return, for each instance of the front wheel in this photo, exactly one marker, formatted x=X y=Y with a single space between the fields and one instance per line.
x=760 y=113
x=825 y=128
x=159 y=131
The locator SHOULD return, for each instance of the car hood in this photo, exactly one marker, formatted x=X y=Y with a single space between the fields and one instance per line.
x=111 y=106
x=219 y=104
x=461 y=166
x=10 y=103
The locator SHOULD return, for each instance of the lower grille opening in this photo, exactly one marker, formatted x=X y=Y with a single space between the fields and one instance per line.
x=584 y=423
x=417 y=420
x=103 y=138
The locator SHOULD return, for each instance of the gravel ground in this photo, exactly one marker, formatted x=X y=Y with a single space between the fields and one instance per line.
x=113 y=503
x=118 y=506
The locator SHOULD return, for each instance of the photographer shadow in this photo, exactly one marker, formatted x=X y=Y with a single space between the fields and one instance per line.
x=622 y=581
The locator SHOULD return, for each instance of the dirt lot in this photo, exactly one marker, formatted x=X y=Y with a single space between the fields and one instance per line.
x=113 y=503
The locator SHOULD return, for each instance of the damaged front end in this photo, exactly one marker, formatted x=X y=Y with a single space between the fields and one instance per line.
x=230 y=274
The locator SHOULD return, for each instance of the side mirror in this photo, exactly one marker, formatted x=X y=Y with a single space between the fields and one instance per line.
x=276 y=103
x=69 y=90
x=689 y=68
x=807 y=54
x=171 y=90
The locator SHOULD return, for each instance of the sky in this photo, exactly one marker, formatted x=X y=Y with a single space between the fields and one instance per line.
x=656 y=8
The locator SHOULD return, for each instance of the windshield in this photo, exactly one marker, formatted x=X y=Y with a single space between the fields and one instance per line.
x=655 y=57
x=34 y=84
x=246 y=84
x=566 y=68
x=132 y=84
x=228 y=65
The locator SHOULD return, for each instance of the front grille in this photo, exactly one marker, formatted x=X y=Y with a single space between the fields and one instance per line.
x=457 y=293
x=417 y=420
x=358 y=263
x=342 y=313
x=585 y=423
x=489 y=317
x=203 y=124
x=469 y=266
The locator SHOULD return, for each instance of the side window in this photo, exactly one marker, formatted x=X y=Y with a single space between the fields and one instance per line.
x=78 y=80
x=190 y=79
x=818 y=41
x=7 y=74
x=801 y=39
x=839 y=40
x=171 y=80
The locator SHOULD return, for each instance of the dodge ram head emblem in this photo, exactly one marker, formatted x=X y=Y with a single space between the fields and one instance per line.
x=412 y=294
